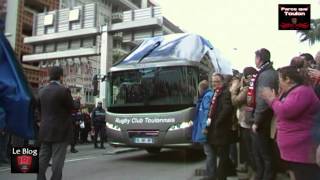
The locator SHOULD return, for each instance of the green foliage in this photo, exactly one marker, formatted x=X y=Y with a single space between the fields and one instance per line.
x=312 y=35
x=117 y=57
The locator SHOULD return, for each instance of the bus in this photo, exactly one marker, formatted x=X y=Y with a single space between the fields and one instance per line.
x=152 y=93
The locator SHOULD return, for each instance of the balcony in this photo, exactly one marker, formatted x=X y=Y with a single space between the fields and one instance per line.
x=118 y=36
x=26 y=49
x=74 y=34
x=38 y=5
x=117 y=17
x=32 y=73
x=125 y=3
x=139 y=19
x=27 y=18
x=61 y=54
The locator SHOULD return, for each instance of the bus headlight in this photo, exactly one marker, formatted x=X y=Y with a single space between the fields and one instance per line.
x=182 y=125
x=113 y=126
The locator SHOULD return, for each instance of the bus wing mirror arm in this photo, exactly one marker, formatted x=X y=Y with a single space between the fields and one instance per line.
x=105 y=78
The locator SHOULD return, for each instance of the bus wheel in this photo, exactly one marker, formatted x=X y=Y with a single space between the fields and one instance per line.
x=153 y=150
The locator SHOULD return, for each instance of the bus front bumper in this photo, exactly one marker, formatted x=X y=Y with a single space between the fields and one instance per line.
x=180 y=138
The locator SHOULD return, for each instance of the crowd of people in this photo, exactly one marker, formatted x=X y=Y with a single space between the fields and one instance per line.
x=271 y=115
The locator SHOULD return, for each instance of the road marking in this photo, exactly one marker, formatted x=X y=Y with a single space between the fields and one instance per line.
x=79 y=159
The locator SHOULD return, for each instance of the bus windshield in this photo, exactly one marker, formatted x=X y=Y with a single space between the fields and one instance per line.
x=157 y=86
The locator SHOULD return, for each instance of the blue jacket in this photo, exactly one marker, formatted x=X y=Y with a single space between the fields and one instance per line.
x=201 y=116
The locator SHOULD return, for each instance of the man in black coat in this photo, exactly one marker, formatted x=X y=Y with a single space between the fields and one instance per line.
x=55 y=104
x=262 y=116
x=219 y=123
x=99 y=123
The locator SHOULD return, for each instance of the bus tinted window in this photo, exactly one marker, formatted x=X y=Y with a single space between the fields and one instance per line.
x=153 y=86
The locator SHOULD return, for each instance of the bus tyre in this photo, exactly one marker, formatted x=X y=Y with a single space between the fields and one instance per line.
x=153 y=150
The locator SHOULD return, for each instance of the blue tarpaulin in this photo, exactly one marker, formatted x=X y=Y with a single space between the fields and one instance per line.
x=15 y=94
x=182 y=46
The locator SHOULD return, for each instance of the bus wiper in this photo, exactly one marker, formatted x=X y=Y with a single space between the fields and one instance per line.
x=150 y=51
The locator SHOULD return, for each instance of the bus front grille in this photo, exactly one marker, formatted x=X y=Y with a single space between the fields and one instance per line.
x=143 y=133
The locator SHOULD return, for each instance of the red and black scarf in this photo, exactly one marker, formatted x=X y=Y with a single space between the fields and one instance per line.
x=213 y=105
x=251 y=95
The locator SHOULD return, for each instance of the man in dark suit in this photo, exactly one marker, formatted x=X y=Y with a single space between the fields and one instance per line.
x=262 y=116
x=55 y=133
x=219 y=124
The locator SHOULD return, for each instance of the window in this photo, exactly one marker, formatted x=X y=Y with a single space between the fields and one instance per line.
x=153 y=87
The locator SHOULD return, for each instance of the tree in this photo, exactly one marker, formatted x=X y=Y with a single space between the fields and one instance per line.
x=312 y=35
x=117 y=56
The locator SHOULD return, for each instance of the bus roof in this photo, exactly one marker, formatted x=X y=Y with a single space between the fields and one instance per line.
x=176 y=47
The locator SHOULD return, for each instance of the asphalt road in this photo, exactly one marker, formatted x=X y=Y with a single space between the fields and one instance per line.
x=122 y=164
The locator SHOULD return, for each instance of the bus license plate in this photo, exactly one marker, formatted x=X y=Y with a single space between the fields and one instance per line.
x=143 y=140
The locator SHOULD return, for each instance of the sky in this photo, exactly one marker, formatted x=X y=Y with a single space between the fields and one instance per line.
x=238 y=28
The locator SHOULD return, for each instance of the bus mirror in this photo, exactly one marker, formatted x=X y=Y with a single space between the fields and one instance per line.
x=105 y=78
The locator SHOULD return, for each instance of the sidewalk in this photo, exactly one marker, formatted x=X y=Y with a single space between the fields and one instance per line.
x=200 y=174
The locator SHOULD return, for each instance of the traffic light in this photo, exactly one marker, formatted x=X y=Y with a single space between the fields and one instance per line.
x=95 y=84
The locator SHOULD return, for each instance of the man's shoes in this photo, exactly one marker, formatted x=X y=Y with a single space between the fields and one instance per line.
x=102 y=147
x=74 y=151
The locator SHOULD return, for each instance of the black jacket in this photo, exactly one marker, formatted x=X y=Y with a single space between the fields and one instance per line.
x=220 y=129
x=56 y=104
x=98 y=116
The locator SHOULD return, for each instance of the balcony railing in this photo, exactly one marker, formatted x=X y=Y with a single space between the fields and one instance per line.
x=118 y=35
x=117 y=17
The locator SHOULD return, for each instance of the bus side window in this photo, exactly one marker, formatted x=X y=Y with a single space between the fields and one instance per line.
x=203 y=75
x=193 y=84
x=206 y=61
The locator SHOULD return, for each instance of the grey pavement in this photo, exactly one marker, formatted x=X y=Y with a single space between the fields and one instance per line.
x=121 y=164
x=126 y=164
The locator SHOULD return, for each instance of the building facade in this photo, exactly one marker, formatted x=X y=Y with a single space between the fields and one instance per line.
x=17 y=19
x=3 y=14
x=71 y=37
